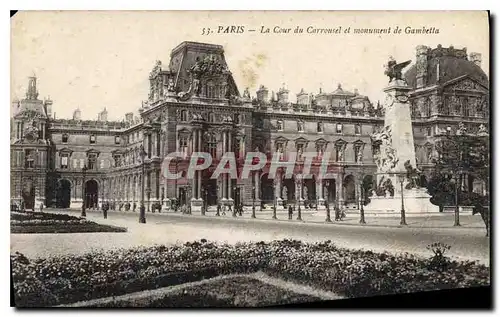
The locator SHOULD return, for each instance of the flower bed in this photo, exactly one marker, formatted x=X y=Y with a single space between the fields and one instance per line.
x=349 y=273
x=40 y=222
x=239 y=291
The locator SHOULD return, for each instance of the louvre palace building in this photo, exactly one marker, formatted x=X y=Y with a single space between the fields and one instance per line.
x=195 y=105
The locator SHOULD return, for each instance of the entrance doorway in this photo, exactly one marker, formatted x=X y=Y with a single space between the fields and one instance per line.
x=28 y=194
x=91 y=194
x=63 y=196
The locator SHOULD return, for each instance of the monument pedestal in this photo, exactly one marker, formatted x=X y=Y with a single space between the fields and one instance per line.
x=416 y=202
x=196 y=204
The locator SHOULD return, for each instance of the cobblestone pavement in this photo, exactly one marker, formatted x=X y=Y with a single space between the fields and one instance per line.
x=467 y=241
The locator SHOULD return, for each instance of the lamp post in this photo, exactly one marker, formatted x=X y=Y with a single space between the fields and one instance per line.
x=253 y=201
x=403 y=216
x=205 y=202
x=300 y=183
x=275 y=183
x=234 y=205
x=457 y=211
x=327 y=202
x=361 y=203
x=142 y=209
x=218 y=206
x=84 y=170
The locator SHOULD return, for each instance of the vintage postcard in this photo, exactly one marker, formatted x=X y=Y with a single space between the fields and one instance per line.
x=249 y=158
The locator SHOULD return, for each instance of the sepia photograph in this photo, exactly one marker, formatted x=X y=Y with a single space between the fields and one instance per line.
x=218 y=159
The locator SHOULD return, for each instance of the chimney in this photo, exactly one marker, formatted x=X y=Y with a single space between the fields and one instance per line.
x=302 y=98
x=103 y=115
x=283 y=95
x=77 y=115
x=129 y=117
x=262 y=94
x=421 y=65
x=48 y=106
x=475 y=58
x=32 y=92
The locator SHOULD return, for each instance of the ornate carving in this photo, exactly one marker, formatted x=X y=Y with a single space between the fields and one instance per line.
x=209 y=66
x=156 y=69
x=462 y=130
x=413 y=176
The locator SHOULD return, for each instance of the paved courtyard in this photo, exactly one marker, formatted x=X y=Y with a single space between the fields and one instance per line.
x=381 y=234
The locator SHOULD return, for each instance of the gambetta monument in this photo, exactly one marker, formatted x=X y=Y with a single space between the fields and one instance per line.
x=394 y=153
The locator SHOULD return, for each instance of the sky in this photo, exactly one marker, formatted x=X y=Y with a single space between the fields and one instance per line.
x=102 y=59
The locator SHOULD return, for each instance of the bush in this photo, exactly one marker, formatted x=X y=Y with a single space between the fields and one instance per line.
x=350 y=273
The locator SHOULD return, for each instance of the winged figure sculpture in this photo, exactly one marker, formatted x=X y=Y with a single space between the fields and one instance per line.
x=394 y=70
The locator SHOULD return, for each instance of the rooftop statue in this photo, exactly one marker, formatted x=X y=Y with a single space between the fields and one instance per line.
x=394 y=70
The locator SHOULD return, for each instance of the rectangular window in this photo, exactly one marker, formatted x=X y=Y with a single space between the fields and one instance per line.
x=92 y=139
x=92 y=162
x=64 y=138
x=117 y=139
x=64 y=161
x=29 y=156
x=429 y=131
x=339 y=128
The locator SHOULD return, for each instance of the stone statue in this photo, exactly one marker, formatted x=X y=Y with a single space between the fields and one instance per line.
x=306 y=193
x=196 y=87
x=359 y=155
x=462 y=130
x=279 y=125
x=394 y=70
x=170 y=86
x=246 y=93
x=285 y=193
x=482 y=130
x=413 y=176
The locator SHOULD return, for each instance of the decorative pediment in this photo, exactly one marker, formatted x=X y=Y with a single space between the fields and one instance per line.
x=117 y=152
x=93 y=152
x=65 y=151
x=281 y=139
x=465 y=83
x=184 y=132
x=340 y=143
x=302 y=141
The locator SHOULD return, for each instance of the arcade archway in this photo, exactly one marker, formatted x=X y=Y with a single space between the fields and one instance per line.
x=266 y=189
x=91 y=194
x=63 y=193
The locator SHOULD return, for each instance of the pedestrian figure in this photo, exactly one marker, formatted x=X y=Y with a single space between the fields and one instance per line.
x=337 y=213
x=134 y=206
x=290 y=212
x=241 y=209
x=224 y=210
x=218 y=210
x=105 y=208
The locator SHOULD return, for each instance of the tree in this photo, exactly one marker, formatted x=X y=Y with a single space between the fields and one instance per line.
x=458 y=155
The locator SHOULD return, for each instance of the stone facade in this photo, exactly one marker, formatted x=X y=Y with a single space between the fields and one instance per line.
x=195 y=105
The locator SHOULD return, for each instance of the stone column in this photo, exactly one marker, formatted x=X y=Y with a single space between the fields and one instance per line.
x=148 y=141
x=194 y=180
x=158 y=143
x=200 y=148
x=277 y=192
x=319 y=194
x=340 y=189
x=229 y=180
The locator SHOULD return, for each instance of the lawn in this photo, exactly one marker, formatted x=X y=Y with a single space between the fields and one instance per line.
x=238 y=291
x=323 y=266
x=41 y=222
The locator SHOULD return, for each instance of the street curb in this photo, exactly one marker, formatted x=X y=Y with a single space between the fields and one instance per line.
x=294 y=221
